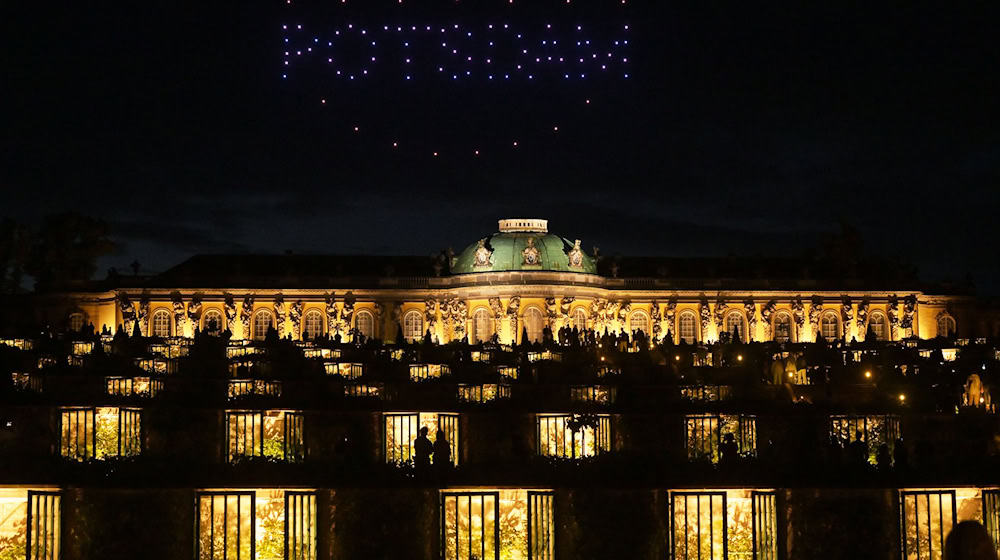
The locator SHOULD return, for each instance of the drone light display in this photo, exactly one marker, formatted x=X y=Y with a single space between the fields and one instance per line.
x=334 y=50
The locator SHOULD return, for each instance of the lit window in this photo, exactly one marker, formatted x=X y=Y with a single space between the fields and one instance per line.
x=687 y=328
x=580 y=319
x=161 y=323
x=262 y=322
x=534 y=324
x=991 y=514
x=413 y=326
x=277 y=434
x=876 y=323
x=946 y=326
x=723 y=524
x=497 y=524
x=76 y=322
x=482 y=326
x=638 y=321
x=567 y=436
x=100 y=432
x=927 y=516
x=402 y=430
x=594 y=394
x=706 y=435
x=871 y=431
x=313 y=324
x=260 y=524
x=830 y=326
x=783 y=327
x=420 y=372
x=734 y=325
x=365 y=323
x=30 y=516
x=212 y=321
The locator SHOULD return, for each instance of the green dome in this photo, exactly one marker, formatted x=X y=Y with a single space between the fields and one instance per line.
x=523 y=245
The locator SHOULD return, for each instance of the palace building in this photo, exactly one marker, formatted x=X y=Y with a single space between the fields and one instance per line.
x=522 y=278
x=520 y=400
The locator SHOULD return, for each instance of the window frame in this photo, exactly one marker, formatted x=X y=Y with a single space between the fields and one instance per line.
x=308 y=316
x=71 y=319
x=577 y=311
x=357 y=323
x=255 y=328
x=603 y=437
x=52 y=531
x=409 y=334
x=903 y=527
x=534 y=312
x=740 y=318
x=682 y=317
x=161 y=312
x=951 y=326
x=673 y=522
x=836 y=324
x=783 y=317
x=204 y=320
x=645 y=327
x=238 y=494
x=469 y=495
x=488 y=327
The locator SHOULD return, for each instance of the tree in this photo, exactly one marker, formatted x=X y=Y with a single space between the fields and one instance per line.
x=15 y=246
x=65 y=249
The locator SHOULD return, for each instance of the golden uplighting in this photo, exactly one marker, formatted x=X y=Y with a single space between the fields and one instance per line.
x=739 y=357
x=902 y=397
x=868 y=375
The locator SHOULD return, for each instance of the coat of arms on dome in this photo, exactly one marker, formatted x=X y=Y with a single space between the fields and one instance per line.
x=576 y=255
x=530 y=254
x=483 y=256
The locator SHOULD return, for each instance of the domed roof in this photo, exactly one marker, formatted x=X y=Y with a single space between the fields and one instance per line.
x=523 y=244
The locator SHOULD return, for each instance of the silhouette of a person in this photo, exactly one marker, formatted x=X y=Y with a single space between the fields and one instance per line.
x=969 y=540
x=858 y=449
x=422 y=449
x=442 y=451
x=728 y=450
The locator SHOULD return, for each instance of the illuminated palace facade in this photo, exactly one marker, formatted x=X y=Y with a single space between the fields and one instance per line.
x=264 y=407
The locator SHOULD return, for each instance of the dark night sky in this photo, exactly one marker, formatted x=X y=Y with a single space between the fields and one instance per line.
x=744 y=128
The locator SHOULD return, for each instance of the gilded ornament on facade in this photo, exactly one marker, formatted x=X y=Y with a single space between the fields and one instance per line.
x=530 y=256
x=483 y=256
x=576 y=255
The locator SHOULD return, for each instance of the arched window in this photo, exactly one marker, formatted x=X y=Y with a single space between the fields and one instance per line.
x=211 y=322
x=262 y=321
x=413 y=326
x=312 y=324
x=580 y=319
x=161 y=323
x=783 y=327
x=876 y=322
x=734 y=325
x=946 y=326
x=364 y=321
x=687 y=327
x=638 y=321
x=482 y=326
x=534 y=324
x=76 y=322
x=829 y=325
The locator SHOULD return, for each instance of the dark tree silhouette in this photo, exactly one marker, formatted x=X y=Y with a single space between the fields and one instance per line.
x=15 y=246
x=65 y=249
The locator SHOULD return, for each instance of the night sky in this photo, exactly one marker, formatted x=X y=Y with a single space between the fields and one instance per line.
x=742 y=128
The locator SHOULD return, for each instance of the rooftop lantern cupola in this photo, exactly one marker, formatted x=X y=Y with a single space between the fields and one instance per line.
x=524 y=225
x=523 y=245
